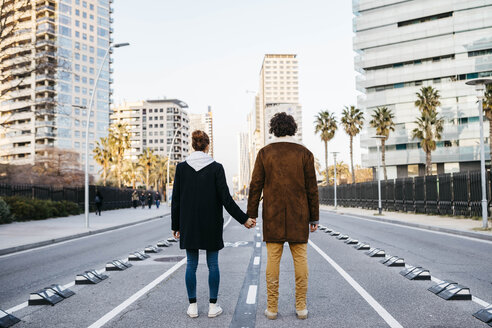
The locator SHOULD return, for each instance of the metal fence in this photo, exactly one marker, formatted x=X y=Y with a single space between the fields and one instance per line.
x=113 y=198
x=447 y=194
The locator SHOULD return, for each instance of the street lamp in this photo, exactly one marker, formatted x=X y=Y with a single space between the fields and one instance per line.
x=168 y=160
x=380 y=209
x=86 y=185
x=480 y=88
x=335 y=175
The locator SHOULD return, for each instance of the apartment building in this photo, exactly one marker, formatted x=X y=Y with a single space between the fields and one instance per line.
x=49 y=68
x=404 y=45
x=244 y=163
x=203 y=122
x=155 y=124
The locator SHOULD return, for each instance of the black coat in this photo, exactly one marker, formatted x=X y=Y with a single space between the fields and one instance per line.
x=196 y=210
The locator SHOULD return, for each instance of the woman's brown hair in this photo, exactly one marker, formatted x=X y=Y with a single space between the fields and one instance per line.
x=199 y=140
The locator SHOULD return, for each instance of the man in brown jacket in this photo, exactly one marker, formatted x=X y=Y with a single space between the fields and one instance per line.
x=284 y=171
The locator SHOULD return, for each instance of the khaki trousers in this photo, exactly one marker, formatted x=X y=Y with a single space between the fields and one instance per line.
x=299 y=254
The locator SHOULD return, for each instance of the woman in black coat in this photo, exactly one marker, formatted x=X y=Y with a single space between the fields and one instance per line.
x=199 y=193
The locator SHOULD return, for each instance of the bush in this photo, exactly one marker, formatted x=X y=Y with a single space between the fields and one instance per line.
x=5 y=215
x=26 y=209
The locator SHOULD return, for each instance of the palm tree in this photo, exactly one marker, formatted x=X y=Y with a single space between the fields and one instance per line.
x=119 y=138
x=487 y=109
x=428 y=130
x=160 y=172
x=132 y=172
x=428 y=99
x=147 y=161
x=102 y=156
x=382 y=121
x=429 y=125
x=325 y=124
x=352 y=120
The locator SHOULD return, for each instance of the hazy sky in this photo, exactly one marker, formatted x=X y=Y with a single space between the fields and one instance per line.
x=210 y=53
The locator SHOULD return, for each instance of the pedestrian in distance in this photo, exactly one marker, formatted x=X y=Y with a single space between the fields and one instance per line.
x=150 y=199
x=98 y=200
x=284 y=172
x=135 y=199
x=157 y=199
x=199 y=194
x=142 y=199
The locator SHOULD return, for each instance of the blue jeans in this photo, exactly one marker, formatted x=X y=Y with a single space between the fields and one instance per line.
x=213 y=274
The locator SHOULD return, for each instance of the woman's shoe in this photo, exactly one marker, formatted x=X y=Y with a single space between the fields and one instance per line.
x=271 y=315
x=303 y=314
x=214 y=310
x=192 y=310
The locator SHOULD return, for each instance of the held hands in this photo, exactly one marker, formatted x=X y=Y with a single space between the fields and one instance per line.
x=313 y=227
x=176 y=234
x=250 y=223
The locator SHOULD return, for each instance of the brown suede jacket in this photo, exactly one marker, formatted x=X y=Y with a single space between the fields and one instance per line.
x=285 y=172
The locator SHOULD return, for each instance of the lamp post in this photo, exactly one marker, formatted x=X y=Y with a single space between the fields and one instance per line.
x=86 y=185
x=480 y=88
x=168 y=160
x=380 y=207
x=335 y=176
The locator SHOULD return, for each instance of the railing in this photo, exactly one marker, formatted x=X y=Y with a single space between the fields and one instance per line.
x=113 y=198
x=446 y=194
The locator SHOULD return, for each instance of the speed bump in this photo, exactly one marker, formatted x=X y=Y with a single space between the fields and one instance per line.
x=362 y=246
x=376 y=252
x=163 y=243
x=172 y=240
x=484 y=315
x=335 y=233
x=44 y=297
x=351 y=241
x=152 y=249
x=7 y=320
x=393 y=261
x=328 y=230
x=450 y=290
x=118 y=265
x=343 y=237
x=416 y=273
x=137 y=256
x=61 y=291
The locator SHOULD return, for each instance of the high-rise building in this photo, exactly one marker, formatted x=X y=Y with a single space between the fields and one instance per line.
x=203 y=122
x=279 y=89
x=155 y=124
x=50 y=65
x=244 y=163
x=402 y=46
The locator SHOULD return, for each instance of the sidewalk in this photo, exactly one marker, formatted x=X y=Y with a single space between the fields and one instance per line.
x=19 y=236
x=454 y=225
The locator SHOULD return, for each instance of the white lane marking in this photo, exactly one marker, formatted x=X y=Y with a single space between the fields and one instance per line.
x=475 y=299
x=369 y=299
x=113 y=313
x=257 y=228
x=258 y=244
x=256 y=261
x=227 y=223
x=258 y=235
x=79 y=238
x=414 y=228
x=17 y=308
x=251 y=298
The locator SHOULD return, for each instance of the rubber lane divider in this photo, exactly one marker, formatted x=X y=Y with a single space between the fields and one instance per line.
x=7 y=319
x=385 y=315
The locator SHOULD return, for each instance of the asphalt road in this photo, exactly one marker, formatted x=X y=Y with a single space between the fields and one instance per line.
x=346 y=287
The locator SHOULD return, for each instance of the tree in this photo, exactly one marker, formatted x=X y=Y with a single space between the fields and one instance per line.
x=160 y=172
x=102 y=156
x=132 y=172
x=352 y=121
x=343 y=173
x=429 y=125
x=428 y=130
x=147 y=160
x=487 y=109
x=326 y=125
x=382 y=121
x=119 y=139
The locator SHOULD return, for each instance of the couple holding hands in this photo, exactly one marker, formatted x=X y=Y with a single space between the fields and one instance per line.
x=284 y=172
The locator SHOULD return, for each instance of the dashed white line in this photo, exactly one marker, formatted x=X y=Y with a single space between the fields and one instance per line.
x=256 y=261
x=117 y=310
x=251 y=298
x=385 y=315
x=258 y=235
x=258 y=244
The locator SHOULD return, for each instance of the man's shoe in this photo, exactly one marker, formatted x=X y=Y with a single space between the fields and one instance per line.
x=303 y=314
x=214 y=310
x=192 y=310
x=271 y=315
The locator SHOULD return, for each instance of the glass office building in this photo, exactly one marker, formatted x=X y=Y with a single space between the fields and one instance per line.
x=402 y=46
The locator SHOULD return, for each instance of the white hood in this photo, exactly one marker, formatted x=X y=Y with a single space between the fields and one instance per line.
x=198 y=160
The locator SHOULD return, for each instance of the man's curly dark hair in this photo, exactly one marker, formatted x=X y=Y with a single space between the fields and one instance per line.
x=282 y=125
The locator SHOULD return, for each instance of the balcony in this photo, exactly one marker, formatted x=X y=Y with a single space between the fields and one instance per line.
x=49 y=29
x=45 y=42
x=40 y=77
x=42 y=54
x=45 y=123
x=45 y=19
x=6 y=106
x=45 y=7
x=47 y=88
x=20 y=93
x=43 y=135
